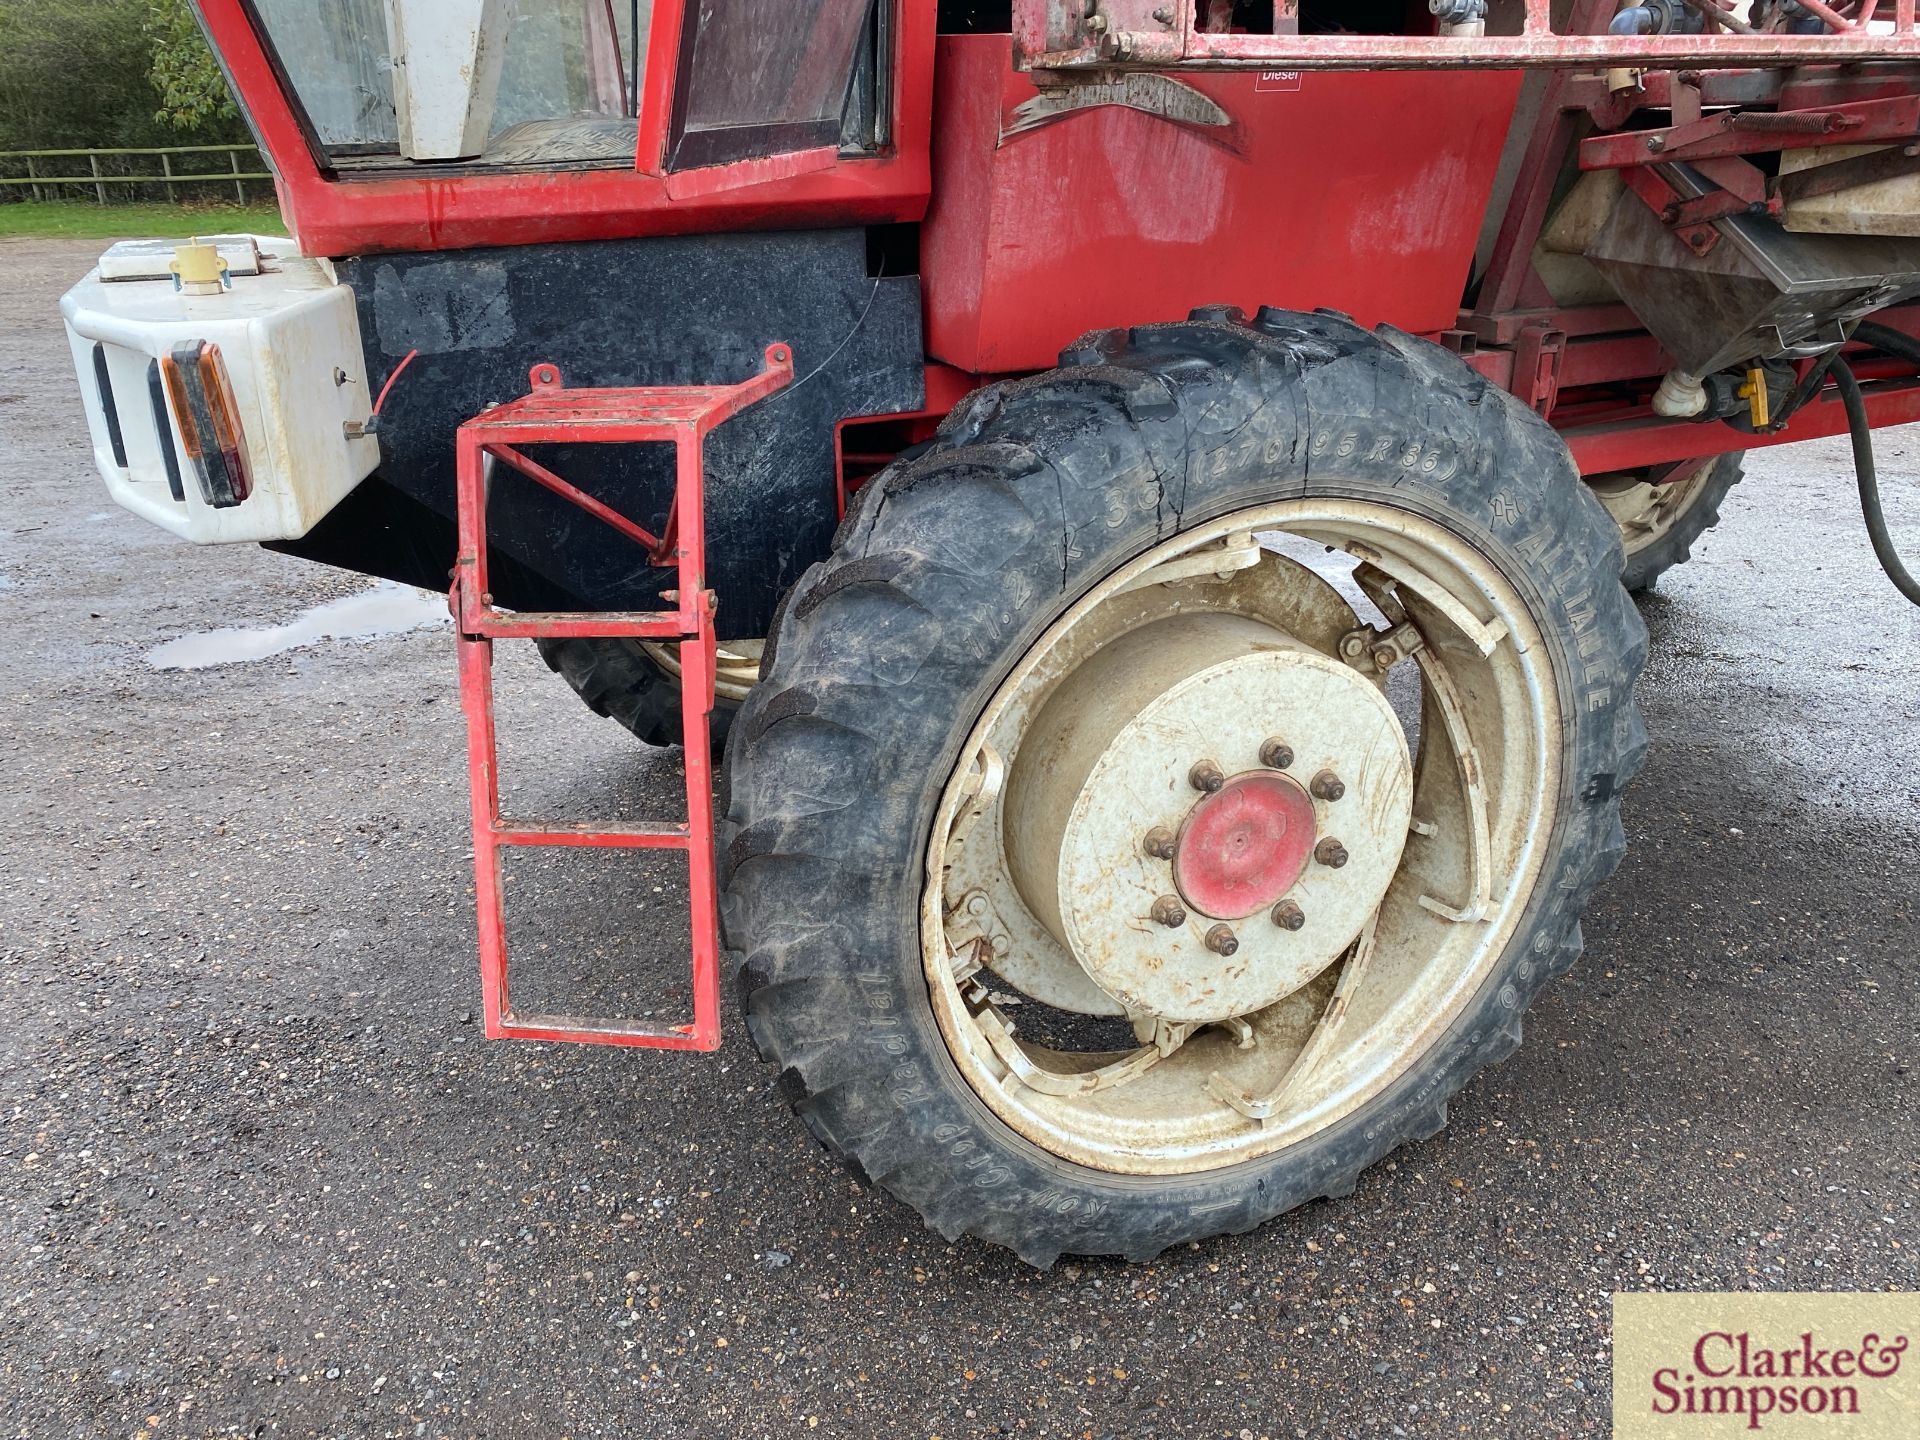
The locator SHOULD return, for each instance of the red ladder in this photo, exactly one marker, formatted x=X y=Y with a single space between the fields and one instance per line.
x=549 y=414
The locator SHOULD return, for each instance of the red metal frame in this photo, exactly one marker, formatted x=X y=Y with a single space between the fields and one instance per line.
x=1751 y=132
x=1638 y=441
x=446 y=208
x=550 y=413
x=1155 y=33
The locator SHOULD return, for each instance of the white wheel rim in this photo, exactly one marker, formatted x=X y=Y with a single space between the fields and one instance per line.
x=1240 y=1054
x=1646 y=512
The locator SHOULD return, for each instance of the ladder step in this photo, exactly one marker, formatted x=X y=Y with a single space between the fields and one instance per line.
x=607 y=834
x=582 y=1029
x=587 y=624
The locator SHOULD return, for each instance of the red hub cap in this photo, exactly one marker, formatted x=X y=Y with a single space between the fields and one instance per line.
x=1243 y=846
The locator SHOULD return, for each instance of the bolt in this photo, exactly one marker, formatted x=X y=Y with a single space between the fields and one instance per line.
x=1330 y=853
x=1276 y=755
x=1327 y=786
x=1205 y=775
x=1288 y=915
x=1158 y=843
x=1656 y=143
x=1096 y=24
x=1384 y=657
x=1353 y=644
x=1164 y=15
x=1169 y=912
x=1220 y=940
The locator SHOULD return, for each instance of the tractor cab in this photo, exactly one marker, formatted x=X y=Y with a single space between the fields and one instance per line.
x=442 y=123
x=526 y=86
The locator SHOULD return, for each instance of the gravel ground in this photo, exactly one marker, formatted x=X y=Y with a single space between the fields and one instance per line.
x=263 y=1177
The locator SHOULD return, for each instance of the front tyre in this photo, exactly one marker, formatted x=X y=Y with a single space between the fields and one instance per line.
x=1103 y=877
x=1662 y=511
x=637 y=685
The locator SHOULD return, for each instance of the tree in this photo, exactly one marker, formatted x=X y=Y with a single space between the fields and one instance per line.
x=192 y=89
x=79 y=73
x=70 y=71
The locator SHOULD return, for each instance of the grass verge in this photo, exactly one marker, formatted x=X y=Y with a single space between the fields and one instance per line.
x=118 y=222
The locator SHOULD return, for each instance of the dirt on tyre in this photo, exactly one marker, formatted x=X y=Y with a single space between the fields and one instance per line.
x=1662 y=511
x=1101 y=876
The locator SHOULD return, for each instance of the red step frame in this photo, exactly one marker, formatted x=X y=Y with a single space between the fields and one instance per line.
x=550 y=413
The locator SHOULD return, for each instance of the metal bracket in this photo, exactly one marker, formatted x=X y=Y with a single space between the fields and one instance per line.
x=1537 y=354
x=974 y=934
x=1237 y=552
x=1266 y=1108
x=1378 y=651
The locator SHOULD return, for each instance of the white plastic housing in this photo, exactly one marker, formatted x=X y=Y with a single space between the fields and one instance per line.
x=291 y=341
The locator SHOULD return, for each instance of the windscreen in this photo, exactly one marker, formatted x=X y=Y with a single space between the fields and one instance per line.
x=563 y=91
x=334 y=53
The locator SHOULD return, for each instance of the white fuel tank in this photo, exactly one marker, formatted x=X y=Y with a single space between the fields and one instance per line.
x=289 y=336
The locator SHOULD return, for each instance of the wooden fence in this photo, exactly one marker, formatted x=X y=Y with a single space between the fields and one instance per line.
x=141 y=173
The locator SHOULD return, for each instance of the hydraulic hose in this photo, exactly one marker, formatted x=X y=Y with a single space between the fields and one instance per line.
x=1862 y=434
x=1888 y=340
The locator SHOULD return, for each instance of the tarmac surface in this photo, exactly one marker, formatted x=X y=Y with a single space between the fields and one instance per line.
x=260 y=1175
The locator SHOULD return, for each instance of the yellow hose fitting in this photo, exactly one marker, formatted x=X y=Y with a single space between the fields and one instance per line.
x=1754 y=392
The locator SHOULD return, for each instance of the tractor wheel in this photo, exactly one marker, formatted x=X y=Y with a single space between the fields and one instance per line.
x=624 y=681
x=1099 y=876
x=1659 y=523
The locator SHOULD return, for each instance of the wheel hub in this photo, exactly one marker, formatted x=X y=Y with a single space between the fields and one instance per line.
x=1243 y=847
x=1111 y=765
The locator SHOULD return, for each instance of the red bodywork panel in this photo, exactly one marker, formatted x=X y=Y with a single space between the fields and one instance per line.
x=1360 y=192
x=467 y=208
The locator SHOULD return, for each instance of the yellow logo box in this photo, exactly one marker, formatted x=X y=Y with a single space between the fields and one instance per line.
x=1711 y=1366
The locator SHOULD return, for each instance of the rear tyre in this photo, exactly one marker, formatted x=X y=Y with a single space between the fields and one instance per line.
x=1069 y=572
x=619 y=679
x=1659 y=523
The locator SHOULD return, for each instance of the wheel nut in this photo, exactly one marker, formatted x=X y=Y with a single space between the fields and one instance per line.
x=1327 y=786
x=1169 y=912
x=1330 y=853
x=1158 y=843
x=1205 y=775
x=1276 y=755
x=1220 y=940
x=1288 y=915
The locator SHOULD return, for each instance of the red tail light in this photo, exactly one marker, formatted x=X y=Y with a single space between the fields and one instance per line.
x=208 y=418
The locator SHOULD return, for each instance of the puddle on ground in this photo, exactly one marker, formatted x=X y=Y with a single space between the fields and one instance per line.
x=385 y=609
